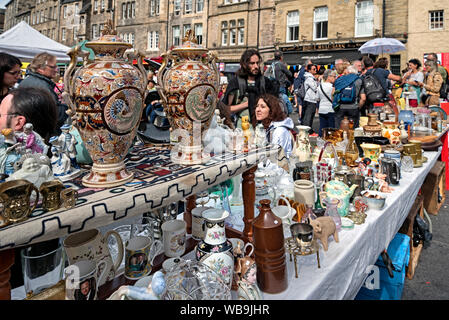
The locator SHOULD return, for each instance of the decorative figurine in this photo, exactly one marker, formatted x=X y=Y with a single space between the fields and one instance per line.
x=323 y=227
x=60 y=162
x=246 y=133
x=9 y=151
x=33 y=167
x=154 y=291
x=247 y=285
x=32 y=141
x=67 y=143
x=260 y=136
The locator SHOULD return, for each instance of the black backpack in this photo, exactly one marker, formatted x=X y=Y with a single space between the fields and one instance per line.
x=373 y=88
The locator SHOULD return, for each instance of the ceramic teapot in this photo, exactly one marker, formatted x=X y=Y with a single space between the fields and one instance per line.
x=336 y=189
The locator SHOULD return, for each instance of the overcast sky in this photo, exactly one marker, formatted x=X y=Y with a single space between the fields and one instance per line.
x=2 y=3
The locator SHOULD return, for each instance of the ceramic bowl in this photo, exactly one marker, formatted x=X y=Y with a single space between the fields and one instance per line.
x=374 y=203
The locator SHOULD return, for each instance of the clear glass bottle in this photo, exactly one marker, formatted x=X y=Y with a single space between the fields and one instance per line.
x=309 y=215
x=332 y=211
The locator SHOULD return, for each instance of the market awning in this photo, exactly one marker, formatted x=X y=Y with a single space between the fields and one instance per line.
x=320 y=57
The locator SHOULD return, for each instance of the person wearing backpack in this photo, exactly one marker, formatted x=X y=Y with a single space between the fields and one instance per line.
x=246 y=85
x=310 y=96
x=297 y=82
x=348 y=97
x=325 y=94
x=278 y=71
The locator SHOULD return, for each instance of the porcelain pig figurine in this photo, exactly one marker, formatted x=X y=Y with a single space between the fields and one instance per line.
x=323 y=227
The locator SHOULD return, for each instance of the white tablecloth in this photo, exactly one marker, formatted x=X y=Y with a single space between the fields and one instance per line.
x=343 y=266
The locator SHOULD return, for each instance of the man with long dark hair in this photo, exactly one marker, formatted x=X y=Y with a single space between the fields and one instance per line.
x=247 y=84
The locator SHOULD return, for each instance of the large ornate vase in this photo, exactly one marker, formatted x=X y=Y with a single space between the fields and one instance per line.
x=215 y=250
x=188 y=83
x=106 y=98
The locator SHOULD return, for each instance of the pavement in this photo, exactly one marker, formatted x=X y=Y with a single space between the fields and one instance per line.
x=431 y=278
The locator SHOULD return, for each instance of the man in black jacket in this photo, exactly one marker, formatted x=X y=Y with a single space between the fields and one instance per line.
x=247 y=84
x=283 y=76
x=41 y=71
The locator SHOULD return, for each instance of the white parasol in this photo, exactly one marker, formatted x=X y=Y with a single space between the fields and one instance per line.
x=382 y=45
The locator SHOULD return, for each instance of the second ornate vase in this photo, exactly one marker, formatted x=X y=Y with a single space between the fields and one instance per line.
x=188 y=84
x=106 y=99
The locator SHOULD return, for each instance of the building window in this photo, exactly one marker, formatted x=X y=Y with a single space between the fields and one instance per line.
x=177 y=7
x=77 y=9
x=55 y=12
x=241 y=31
x=123 y=10
x=50 y=12
x=224 y=33
x=64 y=11
x=199 y=33
x=232 y=33
x=176 y=35
x=103 y=4
x=436 y=20
x=75 y=33
x=154 y=7
x=185 y=28
x=153 y=40
x=94 y=31
x=320 y=18
x=95 y=5
x=364 y=18
x=187 y=6
x=293 y=26
x=63 y=34
x=100 y=28
x=395 y=64
x=199 y=5
x=133 y=10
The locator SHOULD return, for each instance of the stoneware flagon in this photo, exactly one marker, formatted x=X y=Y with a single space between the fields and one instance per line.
x=106 y=100
x=188 y=84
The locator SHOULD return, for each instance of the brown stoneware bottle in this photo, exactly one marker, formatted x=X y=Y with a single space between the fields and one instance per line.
x=269 y=250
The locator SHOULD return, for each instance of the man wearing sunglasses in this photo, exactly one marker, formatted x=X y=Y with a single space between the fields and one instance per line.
x=40 y=74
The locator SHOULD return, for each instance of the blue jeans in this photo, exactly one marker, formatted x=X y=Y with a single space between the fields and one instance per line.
x=283 y=94
x=327 y=120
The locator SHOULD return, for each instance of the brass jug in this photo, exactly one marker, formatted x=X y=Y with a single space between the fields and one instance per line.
x=15 y=196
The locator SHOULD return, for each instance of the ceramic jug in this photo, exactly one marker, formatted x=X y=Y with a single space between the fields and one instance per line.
x=92 y=245
x=302 y=144
x=215 y=250
x=372 y=151
x=305 y=192
x=188 y=83
x=269 y=250
x=391 y=131
x=106 y=101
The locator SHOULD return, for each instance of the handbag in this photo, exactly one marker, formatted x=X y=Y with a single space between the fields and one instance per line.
x=325 y=93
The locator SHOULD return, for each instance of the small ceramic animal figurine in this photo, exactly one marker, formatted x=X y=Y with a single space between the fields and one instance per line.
x=323 y=227
x=60 y=162
x=246 y=133
x=67 y=143
x=247 y=285
x=9 y=151
x=153 y=292
x=383 y=185
x=32 y=141
x=34 y=168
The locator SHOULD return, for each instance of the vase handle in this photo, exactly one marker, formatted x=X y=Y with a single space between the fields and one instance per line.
x=67 y=95
x=167 y=57
x=131 y=54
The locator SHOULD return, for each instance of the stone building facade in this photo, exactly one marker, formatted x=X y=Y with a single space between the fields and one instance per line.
x=428 y=29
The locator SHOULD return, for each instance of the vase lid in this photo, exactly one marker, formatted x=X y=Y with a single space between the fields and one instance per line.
x=190 y=43
x=109 y=36
x=215 y=214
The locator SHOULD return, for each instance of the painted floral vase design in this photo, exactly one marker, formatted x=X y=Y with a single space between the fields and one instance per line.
x=215 y=250
x=188 y=83
x=106 y=101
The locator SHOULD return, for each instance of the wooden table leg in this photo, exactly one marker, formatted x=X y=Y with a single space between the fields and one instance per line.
x=249 y=197
x=6 y=262
x=190 y=205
